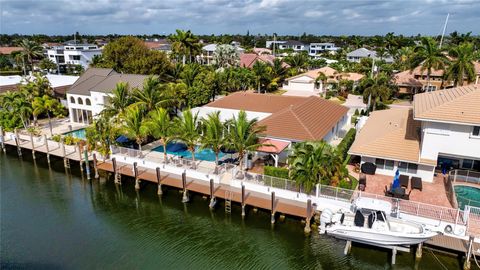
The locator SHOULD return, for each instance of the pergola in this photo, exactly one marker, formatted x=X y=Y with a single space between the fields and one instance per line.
x=272 y=147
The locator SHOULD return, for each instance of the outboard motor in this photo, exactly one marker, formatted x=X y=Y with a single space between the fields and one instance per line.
x=325 y=219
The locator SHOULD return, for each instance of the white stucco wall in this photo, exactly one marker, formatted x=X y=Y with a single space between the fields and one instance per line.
x=98 y=102
x=449 y=139
x=424 y=171
x=303 y=83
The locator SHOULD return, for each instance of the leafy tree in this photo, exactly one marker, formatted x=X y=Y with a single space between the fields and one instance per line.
x=213 y=134
x=30 y=51
x=185 y=43
x=152 y=95
x=298 y=61
x=187 y=130
x=226 y=55
x=47 y=105
x=119 y=101
x=429 y=57
x=101 y=134
x=134 y=125
x=376 y=88
x=47 y=64
x=262 y=75
x=462 y=66
x=159 y=125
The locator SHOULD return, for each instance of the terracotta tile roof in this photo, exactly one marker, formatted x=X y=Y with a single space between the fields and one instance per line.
x=459 y=105
x=389 y=134
x=249 y=59
x=312 y=119
x=352 y=76
x=406 y=78
x=255 y=102
x=9 y=50
x=275 y=148
x=262 y=51
x=435 y=72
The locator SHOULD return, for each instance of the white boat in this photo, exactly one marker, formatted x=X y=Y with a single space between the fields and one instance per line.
x=370 y=222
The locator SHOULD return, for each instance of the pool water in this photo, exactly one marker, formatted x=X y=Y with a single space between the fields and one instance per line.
x=200 y=154
x=79 y=133
x=467 y=195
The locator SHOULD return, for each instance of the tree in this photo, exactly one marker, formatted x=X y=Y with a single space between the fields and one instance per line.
x=134 y=125
x=404 y=58
x=16 y=104
x=159 y=125
x=226 y=55
x=213 y=134
x=187 y=130
x=48 y=105
x=30 y=51
x=119 y=100
x=323 y=79
x=376 y=88
x=297 y=62
x=152 y=95
x=101 y=134
x=185 y=44
x=47 y=64
x=243 y=135
x=462 y=66
x=262 y=75
x=429 y=57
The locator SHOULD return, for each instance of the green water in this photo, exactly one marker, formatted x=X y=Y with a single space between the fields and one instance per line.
x=57 y=219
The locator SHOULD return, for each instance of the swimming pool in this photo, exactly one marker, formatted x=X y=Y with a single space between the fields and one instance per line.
x=179 y=149
x=79 y=133
x=467 y=195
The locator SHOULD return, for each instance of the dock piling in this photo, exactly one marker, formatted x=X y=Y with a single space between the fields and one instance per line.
x=159 y=191
x=348 y=248
x=80 y=156
x=135 y=173
x=213 y=201
x=307 y=228
x=95 y=168
x=46 y=146
x=418 y=252
x=87 y=166
x=467 y=264
x=66 y=162
x=17 y=142
x=116 y=175
x=243 y=201
x=2 y=140
x=272 y=218
x=33 y=145
x=184 y=184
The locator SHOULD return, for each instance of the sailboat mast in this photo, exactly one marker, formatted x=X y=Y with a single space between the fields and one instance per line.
x=443 y=32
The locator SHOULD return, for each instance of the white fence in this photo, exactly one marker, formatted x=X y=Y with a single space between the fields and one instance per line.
x=466 y=176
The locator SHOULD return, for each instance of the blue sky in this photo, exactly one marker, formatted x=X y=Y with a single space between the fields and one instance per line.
x=351 y=17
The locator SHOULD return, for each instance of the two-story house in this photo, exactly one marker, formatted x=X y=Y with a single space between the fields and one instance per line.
x=358 y=54
x=441 y=132
x=73 y=54
x=318 y=48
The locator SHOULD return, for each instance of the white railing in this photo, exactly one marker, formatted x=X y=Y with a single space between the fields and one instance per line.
x=466 y=176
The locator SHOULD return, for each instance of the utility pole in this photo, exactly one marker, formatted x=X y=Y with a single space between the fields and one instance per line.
x=370 y=95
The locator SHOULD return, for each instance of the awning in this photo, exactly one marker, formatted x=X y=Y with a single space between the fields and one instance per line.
x=275 y=146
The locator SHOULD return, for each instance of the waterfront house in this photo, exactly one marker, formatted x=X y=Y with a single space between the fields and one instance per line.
x=88 y=96
x=73 y=53
x=162 y=45
x=441 y=132
x=358 y=54
x=318 y=48
x=294 y=45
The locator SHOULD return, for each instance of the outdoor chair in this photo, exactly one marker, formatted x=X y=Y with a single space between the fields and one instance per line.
x=404 y=180
x=362 y=182
x=368 y=168
x=388 y=192
x=416 y=183
x=407 y=195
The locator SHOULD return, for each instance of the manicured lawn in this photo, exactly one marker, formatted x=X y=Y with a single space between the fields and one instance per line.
x=279 y=92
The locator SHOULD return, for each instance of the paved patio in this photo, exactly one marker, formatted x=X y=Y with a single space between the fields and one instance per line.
x=432 y=193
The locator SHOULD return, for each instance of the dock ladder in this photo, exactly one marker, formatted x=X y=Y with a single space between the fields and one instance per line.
x=228 y=201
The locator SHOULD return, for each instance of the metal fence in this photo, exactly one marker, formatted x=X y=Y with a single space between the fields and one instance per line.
x=464 y=176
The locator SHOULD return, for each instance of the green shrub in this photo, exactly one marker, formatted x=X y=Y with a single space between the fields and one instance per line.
x=356 y=112
x=341 y=98
x=56 y=137
x=350 y=183
x=354 y=120
x=345 y=144
x=70 y=140
x=276 y=172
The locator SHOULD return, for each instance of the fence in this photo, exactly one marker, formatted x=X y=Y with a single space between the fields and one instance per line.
x=464 y=176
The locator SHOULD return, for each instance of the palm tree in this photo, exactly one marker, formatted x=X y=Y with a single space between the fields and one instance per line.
x=18 y=104
x=323 y=79
x=376 y=88
x=213 y=134
x=297 y=61
x=243 y=135
x=185 y=44
x=134 y=125
x=152 y=95
x=187 y=130
x=101 y=134
x=462 y=66
x=404 y=57
x=226 y=55
x=48 y=105
x=119 y=100
x=30 y=50
x=262 y=74
x=160 y=127
x=429 y=56
x=189 y=73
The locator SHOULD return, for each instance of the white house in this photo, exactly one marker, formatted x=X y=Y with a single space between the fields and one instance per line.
x=358 y=54
x=441 y=132
x=208 y=51
x=89 y=94
x=74 y=54
x=294 y=45
x=317 y=48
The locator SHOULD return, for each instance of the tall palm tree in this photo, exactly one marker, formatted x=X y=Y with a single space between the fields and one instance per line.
x=119 y=101
x=243 y=135
x=48 y=105
x=298 y=61
x=152 y=95
x=213 y=134
x=185 y=44
x=429 y=57
x=226 y=55
x=376 y=88
x=262 y=75
x=30 y=50
x=462 y=66
x=159 y=125
x=323 y=79
x=18 y=104
x=134 y=125
x=404 y=57
x=187 y=130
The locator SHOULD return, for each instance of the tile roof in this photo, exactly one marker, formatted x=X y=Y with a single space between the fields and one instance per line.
x=249 y=59
x=362 y=52
x=390 y=134
x=328 y=71
x=9 y=50
x=435 y=72
x=458 y=105
x=406 y=78
x=312 y=119
x=110 y=82
x=352 y=76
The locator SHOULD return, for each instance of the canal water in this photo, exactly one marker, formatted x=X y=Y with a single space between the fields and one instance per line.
x=57 y=219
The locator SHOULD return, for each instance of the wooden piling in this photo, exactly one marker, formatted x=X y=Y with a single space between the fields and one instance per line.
x=272 y=218
x=80 y=156
x=87 y=166
x=307 y=229
x=467 y=264
x=116 y=175
x=184 y=185
x=159 y=183
x=135 y=173
x=95 y=168
x=348 y=248
x=17 y=142
x=46 y=146
x=33 y=145
x=418 y=252
x=66 y=163
x=243 y=201
x=213 y=201
x=2 y=140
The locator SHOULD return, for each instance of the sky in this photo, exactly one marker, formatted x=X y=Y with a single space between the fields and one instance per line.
x=294 y=17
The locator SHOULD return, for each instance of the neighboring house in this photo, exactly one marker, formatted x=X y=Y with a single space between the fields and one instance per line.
x=10 y=50
x=318 y=48
x=287 y=119
x=73 y=54
x=260 y=51
x=294 y=45
x=208 y=50
x=88 y=96
x=406 y=83
x=307 y=82
x=437 y=78
x=358 y=54
x=441 y=132
x=249 y=59
x=159 y=45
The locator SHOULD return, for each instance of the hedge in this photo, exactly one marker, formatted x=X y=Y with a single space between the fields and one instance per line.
x=345 y=144
x=276 y=172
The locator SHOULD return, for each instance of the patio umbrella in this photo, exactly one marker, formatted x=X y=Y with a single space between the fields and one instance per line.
x=122 y=139
x=396 y=180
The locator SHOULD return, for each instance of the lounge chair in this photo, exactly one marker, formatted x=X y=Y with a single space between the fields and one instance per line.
x=404 y=180
x=407 y=196
x=416 y=183
x=388 y=192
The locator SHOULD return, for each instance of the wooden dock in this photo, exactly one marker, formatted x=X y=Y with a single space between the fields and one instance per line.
x=443 y=242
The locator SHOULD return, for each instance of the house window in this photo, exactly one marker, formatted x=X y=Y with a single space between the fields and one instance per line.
x=87 y=101
x=476 y=165
x=76 y=57
x=406 y=167
x=429 y=88
x=80 y=101
x=72 y=100
x=384 y=164
x=467 y=164
x=476 y=131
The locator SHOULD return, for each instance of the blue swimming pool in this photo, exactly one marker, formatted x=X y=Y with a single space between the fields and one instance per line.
x=467 y=195
x=79 y=133
x=180 y=150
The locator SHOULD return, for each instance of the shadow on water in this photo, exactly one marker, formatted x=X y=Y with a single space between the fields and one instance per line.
x=60 y=219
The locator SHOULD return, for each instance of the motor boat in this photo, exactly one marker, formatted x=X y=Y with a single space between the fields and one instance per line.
x=369 y=221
